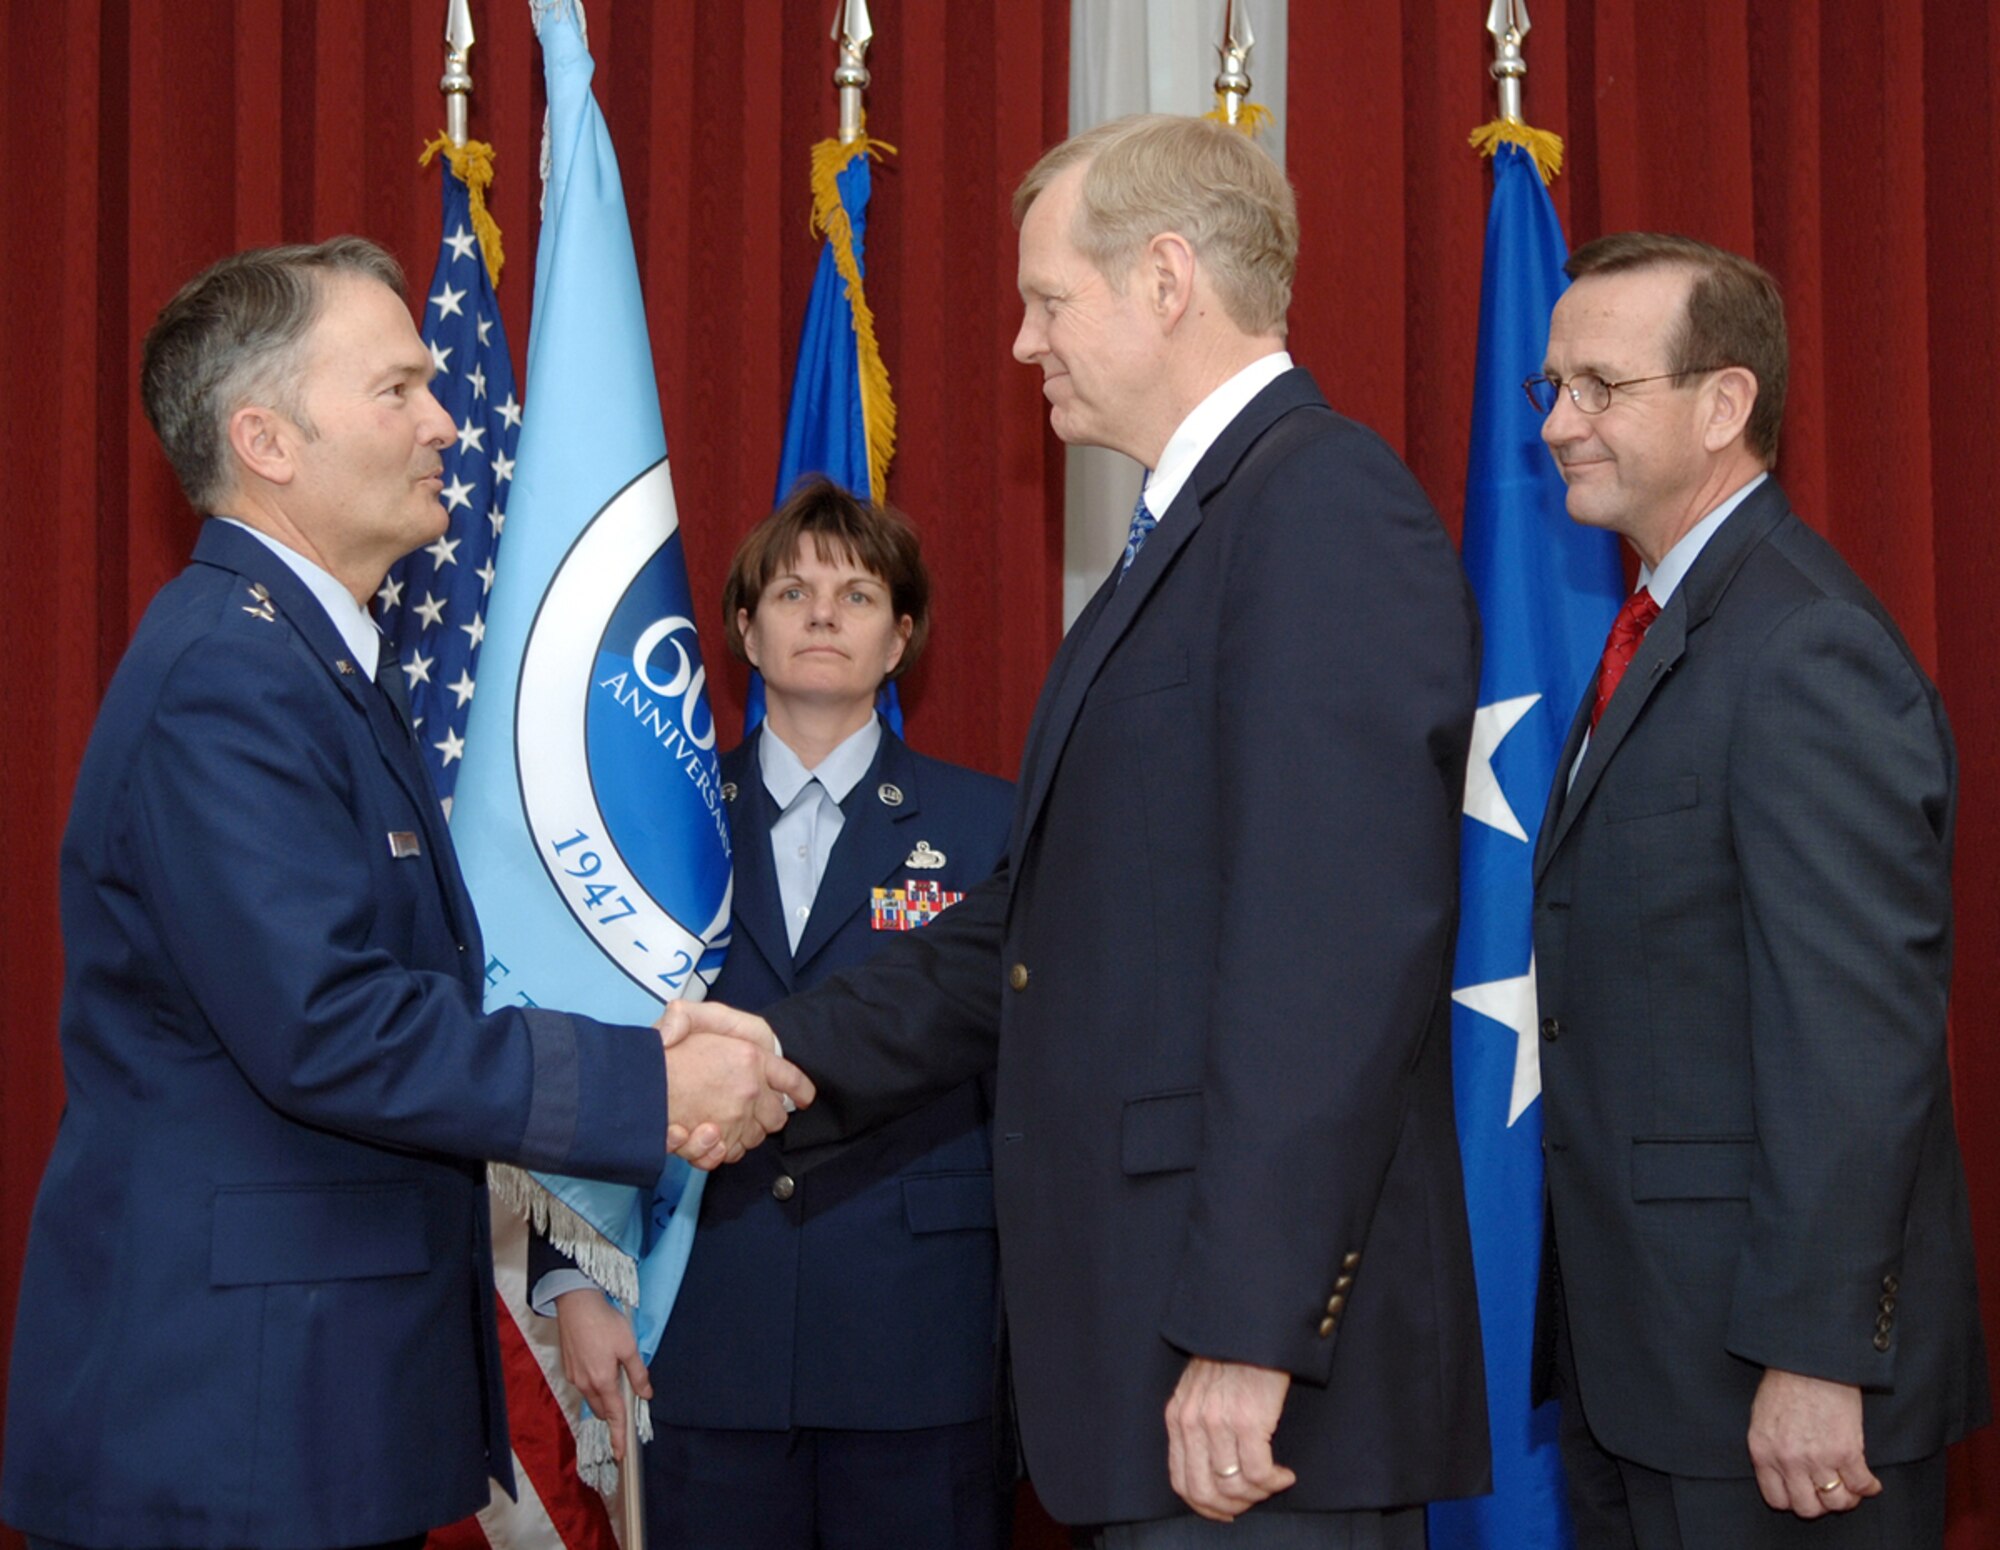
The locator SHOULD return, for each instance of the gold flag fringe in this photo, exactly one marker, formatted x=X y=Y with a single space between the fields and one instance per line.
x=473 y=162
x=1251 y=117
x=829 y=219
x=1544 y=145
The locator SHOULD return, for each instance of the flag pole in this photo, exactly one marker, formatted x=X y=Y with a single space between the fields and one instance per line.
x=457 y=82
x=1508 y=23
x=1232 y=85
x=853 y=31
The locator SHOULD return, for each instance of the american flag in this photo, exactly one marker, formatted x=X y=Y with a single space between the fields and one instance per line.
x=432 y=607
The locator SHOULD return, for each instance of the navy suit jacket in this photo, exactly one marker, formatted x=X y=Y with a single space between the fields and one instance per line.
x=864 y=1297
x=1742 y=949
x=1215 y=978
x=257 y=1306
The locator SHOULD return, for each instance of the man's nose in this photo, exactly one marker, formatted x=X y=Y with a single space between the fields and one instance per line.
x=439 y=431
x=1027 y=339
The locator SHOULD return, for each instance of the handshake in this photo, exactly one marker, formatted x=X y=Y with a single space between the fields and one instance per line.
x=727 y=1085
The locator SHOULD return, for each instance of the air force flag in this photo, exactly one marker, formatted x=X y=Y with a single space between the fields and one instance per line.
x=1547 y=591
x=589 y=815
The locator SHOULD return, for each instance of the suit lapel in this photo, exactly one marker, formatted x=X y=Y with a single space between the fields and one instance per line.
x=1119 y=602
x=874 y=840
x=228 y=548
x=759 y=909
x=1697 y=597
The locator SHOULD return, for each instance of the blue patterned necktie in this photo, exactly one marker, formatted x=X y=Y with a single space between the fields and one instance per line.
x=1143 y=523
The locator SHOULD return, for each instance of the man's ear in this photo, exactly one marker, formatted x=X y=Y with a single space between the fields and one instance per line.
x=1167 y=270
x=1732 y=394
x=264 y=442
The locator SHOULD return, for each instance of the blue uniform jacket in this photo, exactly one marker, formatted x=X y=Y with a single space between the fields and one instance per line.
x=257 y=1307
x=863 y=1295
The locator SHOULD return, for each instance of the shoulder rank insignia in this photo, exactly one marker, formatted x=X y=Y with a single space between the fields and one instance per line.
x=262 y=608
x=924 y=859
x=905 y=909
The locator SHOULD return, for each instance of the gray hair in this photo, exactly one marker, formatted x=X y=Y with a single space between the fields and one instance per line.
x=1215 y=186
x=232 y=336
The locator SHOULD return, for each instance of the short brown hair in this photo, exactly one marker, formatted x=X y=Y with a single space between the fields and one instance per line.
x=1734 y=316
x=1157 y=172
x=840 y=526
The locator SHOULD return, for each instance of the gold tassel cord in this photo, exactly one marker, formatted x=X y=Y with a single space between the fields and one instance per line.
x=1251 y=117
x=473 y=163
x=1543 y=145
x=829 y=219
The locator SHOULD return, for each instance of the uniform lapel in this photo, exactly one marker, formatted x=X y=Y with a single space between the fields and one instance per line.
x=874 y=840
x=1698 y=595
x=759 y=909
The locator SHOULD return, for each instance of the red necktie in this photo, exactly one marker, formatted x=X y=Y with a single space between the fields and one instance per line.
x=1627 y=631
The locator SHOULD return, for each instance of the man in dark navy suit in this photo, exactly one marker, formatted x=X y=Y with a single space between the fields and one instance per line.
x=828 y=1376
x=1759 y=1306
x=257 y=1306
x=1213 y=978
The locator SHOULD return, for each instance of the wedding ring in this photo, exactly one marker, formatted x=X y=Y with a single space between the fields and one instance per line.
x=1230 y=1473
x=1832 y=1485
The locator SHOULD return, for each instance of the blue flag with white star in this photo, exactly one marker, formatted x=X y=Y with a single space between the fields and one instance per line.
x=432 y=606
x=1548 y=590
x=827 y=427
x=590 y=818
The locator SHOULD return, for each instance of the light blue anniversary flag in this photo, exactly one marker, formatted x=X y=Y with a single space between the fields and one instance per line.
x=589 y=815
x=1547 y=591
x=842 y=421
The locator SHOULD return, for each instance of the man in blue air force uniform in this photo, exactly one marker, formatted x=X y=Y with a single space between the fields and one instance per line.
x=257 y=1306
x=828 y=1376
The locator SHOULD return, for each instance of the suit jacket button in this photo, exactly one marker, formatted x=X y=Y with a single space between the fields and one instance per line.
x=1887 y=1305
x=1881 y=1340
x=1351 y=1260
x=1335 y=1303
x=1018 y=976
x=1551 y=1029
x=1342 y=1282
x=782 y=1187
x=1326 y=1326
x=1890 y=1284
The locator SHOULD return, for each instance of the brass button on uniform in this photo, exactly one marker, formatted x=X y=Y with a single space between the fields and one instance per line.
x=782 y=1187
x=1018 y=976
x=1335 y=1303
x=1342 y=1282
x=1351 y=1260
x=1326 y=1326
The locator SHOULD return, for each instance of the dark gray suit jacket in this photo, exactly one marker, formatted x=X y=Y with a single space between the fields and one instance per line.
x=1743 y=948
x=1215 y=978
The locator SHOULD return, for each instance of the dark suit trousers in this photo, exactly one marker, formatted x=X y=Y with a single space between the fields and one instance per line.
x=1401 y=1528
x=1620 y=1505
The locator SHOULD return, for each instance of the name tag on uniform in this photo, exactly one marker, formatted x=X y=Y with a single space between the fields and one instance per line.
x=908 y=907
x=403 y=844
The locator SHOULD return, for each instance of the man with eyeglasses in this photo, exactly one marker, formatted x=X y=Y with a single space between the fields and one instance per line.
x=1758 y=1304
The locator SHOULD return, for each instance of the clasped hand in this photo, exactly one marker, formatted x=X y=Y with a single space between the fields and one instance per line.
x=727 y=1087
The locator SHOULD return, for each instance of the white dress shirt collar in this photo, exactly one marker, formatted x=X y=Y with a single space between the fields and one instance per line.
x=838 y=773
x=1661 y=580
x=1208 y=420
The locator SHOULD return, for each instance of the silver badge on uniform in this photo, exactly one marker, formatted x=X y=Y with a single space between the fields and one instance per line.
x=729 y=791
x=890 y=793
x=924 y=859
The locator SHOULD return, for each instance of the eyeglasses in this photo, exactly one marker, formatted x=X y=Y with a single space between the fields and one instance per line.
x=1590 y=392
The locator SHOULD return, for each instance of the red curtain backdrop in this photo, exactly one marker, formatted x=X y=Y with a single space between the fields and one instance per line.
x=1853 y=149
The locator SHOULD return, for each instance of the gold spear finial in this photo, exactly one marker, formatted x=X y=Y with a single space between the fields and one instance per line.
x=853 y=31
x=1508 y=22
x=1232 y=85
x=457 y=82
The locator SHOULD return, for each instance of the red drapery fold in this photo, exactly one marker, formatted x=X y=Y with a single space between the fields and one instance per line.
x=1853 y=149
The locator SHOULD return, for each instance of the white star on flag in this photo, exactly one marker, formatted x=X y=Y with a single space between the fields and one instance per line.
x=471 y=437
x=418 y=670
x=448 y=302
x=391 y=593
x=497 y=520
x=445 y=550
x=485 y=574
x=431 y=610
x=503 y=467
x=510 y=411
x=485 y=327
x=476 y=629
x=456 y=494
x=453 y=747
x=460 y=242
x=1512 y=1004
x=440 y=353
x=1484 y=800
x=462 y=686
x=478 y=381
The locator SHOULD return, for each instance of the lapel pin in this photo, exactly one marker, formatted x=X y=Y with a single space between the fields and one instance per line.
x=890 y=793
x=729 y=791
x=346 y=667
x=924 y=859
x=403 y=844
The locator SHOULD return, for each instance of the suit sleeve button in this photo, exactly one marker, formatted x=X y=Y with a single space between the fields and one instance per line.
x=1335 y=1303
x=1326 y=1326
x=1351 y=1260
x=1018 y=976
x=1881 y=1340
x=1890 y=1284
x=1552 y=1029
x=782 y=1187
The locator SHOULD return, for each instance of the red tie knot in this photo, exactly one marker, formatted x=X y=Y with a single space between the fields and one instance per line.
x=1627 y=631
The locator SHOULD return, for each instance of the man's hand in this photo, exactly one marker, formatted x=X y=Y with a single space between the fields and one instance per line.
x=1805 y=1435
x=596 y=1342
x=724 y=1095
x=1219 y=1426
x=707 y=1137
